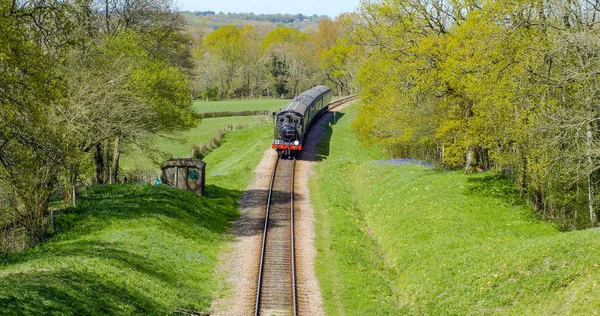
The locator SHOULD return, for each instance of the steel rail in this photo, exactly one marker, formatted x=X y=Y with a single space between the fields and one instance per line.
x=341 y=101
x=264 y=249
x=295 y=294
x=264 y=241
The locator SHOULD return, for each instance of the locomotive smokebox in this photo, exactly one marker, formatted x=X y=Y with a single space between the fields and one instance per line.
x=288 y=133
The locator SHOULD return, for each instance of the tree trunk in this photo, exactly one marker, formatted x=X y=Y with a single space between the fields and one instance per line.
x=116 y=155
x=470 y=160
x=106 y=162
x=73 y=182
x=99 y=164
x=590 y=181
x=107 y=17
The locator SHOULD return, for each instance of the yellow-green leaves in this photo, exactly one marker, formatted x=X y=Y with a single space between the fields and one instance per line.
x=512 y=85
x=283 y=35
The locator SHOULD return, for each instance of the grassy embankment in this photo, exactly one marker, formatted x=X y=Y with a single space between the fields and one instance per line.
x=408 y=239
x=135 y=249
x=179 y=144
x=239 y=105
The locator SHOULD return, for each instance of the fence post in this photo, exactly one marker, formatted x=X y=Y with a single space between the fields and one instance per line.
x=52 y=219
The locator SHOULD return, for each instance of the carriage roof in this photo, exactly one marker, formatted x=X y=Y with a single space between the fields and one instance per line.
x=305 y=100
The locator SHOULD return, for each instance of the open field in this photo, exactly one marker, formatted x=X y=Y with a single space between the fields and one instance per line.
x=135 y=249
x=180 y=144
x=408 y=239
x=239 y=105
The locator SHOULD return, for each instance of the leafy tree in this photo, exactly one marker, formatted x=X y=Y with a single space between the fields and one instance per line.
x=120 y=95
x=291 y=55
x=31 y=150
x=506 y=85
x=227 y=44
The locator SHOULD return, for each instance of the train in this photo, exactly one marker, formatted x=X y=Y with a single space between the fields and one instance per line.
x=292 y=122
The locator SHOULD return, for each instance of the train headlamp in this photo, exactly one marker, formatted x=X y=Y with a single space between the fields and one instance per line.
x=296 y=143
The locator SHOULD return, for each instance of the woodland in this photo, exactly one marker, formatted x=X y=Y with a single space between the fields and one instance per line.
x=78 y=79
x=82 y=79
x=508 y=86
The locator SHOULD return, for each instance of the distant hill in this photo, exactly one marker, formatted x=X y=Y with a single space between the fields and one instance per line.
x=214 y=20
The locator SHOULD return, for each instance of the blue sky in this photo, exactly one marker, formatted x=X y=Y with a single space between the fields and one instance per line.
x=331 y=8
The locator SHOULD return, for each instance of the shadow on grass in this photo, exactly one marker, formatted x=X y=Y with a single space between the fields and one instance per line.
x=318 y=138
x=110 y=252
x=81 y=289
x=495 y=186
x=68 y=292
x=100 y=206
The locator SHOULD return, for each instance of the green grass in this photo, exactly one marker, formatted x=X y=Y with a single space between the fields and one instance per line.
x=408 y=239
x=232 y=165
x=178 y=145
x=239 y=105
x=136 y=249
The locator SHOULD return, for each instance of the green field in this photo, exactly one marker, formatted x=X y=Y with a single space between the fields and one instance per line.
x=240 y=105
x=136 y=249
x=178 y=145
x=408 y=239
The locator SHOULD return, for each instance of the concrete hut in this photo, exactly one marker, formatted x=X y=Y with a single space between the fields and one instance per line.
x=184 y=173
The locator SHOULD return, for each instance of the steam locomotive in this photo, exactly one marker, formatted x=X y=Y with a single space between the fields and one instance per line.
x=292 y=122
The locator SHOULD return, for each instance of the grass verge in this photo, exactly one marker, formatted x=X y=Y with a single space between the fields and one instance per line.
x=239 y=105
x=135 y=249
x=180 y=143
x=408 y=239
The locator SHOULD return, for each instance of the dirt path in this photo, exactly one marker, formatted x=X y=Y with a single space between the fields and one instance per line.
x=240 y=265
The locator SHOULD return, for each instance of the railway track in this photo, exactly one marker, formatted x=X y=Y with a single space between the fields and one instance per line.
x=276 y=289
x=276 y=286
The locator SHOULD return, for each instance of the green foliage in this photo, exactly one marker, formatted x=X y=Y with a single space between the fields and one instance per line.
x=245 y=60
x=32 y=147
x=69 y=87
x=168 y=92
x=225 y=41
x=283 y=35
x=409 y=239
x=488 y=87
x=211 y=94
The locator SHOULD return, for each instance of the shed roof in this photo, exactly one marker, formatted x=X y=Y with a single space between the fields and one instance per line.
x=184 y=162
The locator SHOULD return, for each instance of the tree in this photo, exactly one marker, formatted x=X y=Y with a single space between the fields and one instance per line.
x=291 y=52
x=226 y=43
x=31 y=148
x=505 y=85
x=120 y=95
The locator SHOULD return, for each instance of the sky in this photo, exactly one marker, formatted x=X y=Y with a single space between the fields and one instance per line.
x=332 y=8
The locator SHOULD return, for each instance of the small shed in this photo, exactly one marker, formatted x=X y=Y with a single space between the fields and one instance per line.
x=184 y=173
